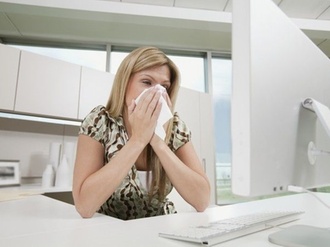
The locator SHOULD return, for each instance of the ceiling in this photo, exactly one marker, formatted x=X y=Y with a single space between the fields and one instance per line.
x=311 y=9
x=189 y=24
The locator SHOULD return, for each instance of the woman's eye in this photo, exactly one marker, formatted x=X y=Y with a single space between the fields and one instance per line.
x=146 y=82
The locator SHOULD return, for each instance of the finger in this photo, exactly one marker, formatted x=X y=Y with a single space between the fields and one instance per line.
x=131 y=107
x=146 y=98
x=167 y=99
x=151 y=107
x=156 y=111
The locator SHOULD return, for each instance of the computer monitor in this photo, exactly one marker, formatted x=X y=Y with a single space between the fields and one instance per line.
x=275 y=68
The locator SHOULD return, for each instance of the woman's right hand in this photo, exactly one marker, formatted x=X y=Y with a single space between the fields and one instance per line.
x=143 y=116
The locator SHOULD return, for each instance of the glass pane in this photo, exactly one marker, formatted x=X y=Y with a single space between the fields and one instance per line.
x=191 y=69
x=221 y=77
x=222 y=81
x=115 y=59
x=88 y=58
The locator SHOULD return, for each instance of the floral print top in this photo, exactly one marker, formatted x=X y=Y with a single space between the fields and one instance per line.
x=131 y=199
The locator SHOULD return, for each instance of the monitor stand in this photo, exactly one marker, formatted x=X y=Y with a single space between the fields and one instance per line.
x=323 y=114
x=301 y=236
x=305 y=235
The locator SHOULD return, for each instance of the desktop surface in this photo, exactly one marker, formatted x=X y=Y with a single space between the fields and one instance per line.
x=42 y=221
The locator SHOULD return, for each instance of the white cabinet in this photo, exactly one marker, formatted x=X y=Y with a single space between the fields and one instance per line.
x=207 y=144
x=187 y=106
x=47 y=86
x=41 y=85
x=94 y=90
x=9 y=61
x=195 y=109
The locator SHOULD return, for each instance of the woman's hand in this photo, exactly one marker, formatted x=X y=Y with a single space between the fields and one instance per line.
x=143 y=116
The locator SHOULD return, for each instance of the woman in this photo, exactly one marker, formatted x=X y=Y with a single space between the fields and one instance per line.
x=117 y=145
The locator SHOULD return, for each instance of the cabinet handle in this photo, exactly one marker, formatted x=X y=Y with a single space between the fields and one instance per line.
x=204 y=164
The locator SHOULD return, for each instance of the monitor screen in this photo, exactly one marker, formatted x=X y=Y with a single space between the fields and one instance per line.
x=275 y=67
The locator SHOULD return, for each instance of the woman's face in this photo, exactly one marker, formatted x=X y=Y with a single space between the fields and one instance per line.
x=145 y=79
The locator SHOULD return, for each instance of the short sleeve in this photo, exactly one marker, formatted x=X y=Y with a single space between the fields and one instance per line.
x=180 y=133
x=95 y=124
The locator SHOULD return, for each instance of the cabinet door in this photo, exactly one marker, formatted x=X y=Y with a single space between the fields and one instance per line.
x=188 y=108
x=9 y=60
x=208 y=140
x=47 y=86
x=95 y=89
x=195 y=109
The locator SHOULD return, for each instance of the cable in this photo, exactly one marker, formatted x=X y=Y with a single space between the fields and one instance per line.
x=298 y=189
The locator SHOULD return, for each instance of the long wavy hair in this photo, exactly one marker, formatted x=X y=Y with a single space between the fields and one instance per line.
x=140 y=59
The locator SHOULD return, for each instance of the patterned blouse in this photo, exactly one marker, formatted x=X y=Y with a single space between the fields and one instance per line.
x=131 y=199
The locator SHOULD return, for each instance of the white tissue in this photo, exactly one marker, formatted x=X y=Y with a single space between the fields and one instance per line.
x=165 y=113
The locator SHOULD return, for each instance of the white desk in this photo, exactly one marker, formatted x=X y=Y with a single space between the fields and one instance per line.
x=41 y=221
x=19 y=192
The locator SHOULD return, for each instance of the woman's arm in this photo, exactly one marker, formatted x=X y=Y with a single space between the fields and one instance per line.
x=185 y=172
x=94 y=182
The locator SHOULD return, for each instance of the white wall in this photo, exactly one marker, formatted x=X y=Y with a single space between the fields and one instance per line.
x=29 y=143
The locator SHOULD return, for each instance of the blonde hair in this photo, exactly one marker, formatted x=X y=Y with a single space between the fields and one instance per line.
x=140 y=59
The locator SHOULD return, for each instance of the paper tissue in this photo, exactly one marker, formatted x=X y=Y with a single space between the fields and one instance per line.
x=165 y=113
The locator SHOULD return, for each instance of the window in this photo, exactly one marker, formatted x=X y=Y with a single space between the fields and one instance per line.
x=191 y=68
x=116 y=58
x=221 y=82
x=85 y=57
x=192 y=71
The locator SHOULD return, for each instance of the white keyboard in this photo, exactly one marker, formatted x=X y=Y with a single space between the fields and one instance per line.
x=227 y=229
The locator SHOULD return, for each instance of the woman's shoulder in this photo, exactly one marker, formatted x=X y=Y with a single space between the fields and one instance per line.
x=99 y=114
x=179 y=123
x=180 y=133
x=98 y=110
x=97 y=123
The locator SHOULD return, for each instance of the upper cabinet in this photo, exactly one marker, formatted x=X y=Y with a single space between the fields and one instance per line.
x=40 y=85
x=9 y=62
x=47 y=86
x=94 y=90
